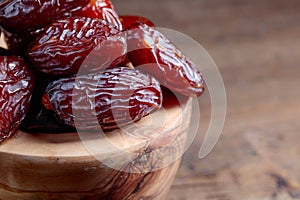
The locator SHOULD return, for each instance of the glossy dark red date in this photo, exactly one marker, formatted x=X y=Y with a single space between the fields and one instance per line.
x=19 y=16
x=154 y=54
x=128 y=21
x=116 y=97
x=16 y=84
x=101 y=9
x=63 y=46
x=61 y=37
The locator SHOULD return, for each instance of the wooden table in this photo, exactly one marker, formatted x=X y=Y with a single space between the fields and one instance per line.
x=256 y=45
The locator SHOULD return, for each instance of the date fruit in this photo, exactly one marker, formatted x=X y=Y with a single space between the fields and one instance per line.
x=64 y=45
x=16 y=84
x=129 y=21
x=115 y=97
x=19 y=16
x=154 y=54
x=101 y=9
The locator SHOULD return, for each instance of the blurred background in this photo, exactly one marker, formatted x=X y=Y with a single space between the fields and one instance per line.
x=256 y=45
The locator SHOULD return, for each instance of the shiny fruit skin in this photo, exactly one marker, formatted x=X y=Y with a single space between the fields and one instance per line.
x=115 y=97
x=101 y=9
x=19 y=16
x=63 y=46
x=130 y=20
x=16 y=85
x=153 y=53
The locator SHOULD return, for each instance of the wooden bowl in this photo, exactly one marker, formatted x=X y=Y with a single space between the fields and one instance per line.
x=61 y=166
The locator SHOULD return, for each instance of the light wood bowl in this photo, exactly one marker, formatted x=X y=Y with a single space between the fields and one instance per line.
x=59 y=166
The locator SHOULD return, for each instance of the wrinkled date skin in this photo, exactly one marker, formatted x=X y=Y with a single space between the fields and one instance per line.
x=16 y=84
x=63 y=46
x=153 y=53
x=101 y=9
x=128 y=21
x=116 y=97
x=18 y=43
x=18 y=16
x=39 y=119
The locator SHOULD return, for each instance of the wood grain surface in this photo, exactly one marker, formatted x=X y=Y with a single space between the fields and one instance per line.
x=50 y=167
x=256 y=45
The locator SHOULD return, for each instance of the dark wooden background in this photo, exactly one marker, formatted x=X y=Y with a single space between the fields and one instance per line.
x=256 y=45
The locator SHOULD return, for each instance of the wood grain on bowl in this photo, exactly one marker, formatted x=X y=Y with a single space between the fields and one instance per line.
x=46 y=166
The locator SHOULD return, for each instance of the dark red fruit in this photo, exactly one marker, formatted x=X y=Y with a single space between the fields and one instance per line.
x=101 y=9
x=129 y=21
x=116 y=97
x=63 y=46
x=16 y=84
x=154 y=54
x=19 y=16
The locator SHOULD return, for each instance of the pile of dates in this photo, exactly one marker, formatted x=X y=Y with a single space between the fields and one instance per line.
x=70 y=62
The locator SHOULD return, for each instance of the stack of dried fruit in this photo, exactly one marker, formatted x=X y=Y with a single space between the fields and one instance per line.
x=49 y=41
